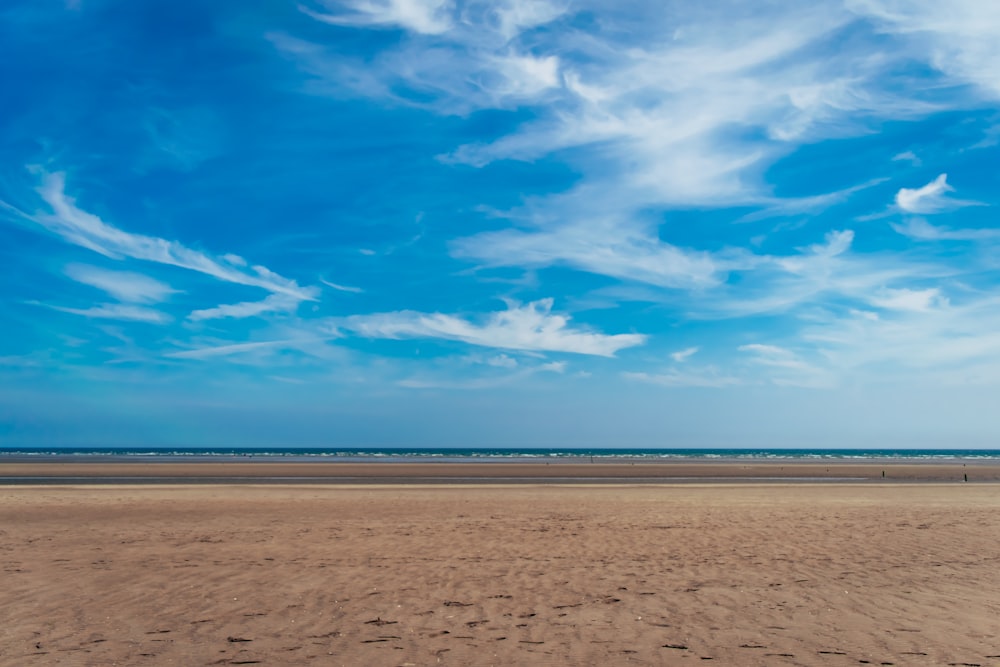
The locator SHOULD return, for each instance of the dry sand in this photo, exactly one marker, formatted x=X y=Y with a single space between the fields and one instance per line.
x=739 y=574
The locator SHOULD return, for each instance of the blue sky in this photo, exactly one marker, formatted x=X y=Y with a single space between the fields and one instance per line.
x=515 y=223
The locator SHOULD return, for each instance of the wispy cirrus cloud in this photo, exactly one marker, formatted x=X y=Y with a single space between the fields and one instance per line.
x=921 y=230
x=116 y=311
x=681 y=356
x=530 y=327
x=691 y=115
x=89 y=231
x=125 y=286
x=458 y=56
x=957 y=38
x=908 y=299
x=230 y=349
x=676 y=117
x=788 y=368
x=272 y=304
x=806 y=206
x=709 y=377
x=601 y=246
x=907 y=156
x=826 y=273
x=342 y=288
x=938 y=341
x=427 y=17
x=656 y=110
x=294 y=346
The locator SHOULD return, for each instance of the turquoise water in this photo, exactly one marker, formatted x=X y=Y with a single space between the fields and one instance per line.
x=448 y=454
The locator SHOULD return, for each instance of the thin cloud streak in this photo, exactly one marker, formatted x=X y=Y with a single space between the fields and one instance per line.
x=342 y=288
x=272 y=304
x=919 y=229
x=683 y=355
x=89 y=231
x=707 y=378
x=123 y=285
x=234 y=349
x=116 y=311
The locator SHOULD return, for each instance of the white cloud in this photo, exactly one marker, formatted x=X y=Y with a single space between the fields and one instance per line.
x=428 y=17
x=907 y=156
x=933 y=344
x=663 y=109
x=117 y=311
x=807 y=205
x=273 y=303
x=89 y=231
x=601 y=246
x=525 y=75
x=516 y=16
x=656 y=110
x=232 y=349
x=823 y=271
x=787 y=368
x=502 y=361
x=827 y=274
x=835 y=243
x=529 y=327
x=991 y=137
x=122 y=285
x=931 y=198
x=667 y=113
x=921 y=230
x=772 y=355
x=909 y=299
x=342 y=288
x=683 y=355
x=958 y=37
x=708 y=377
x=782 y=282
x=308 y=347
x=455 y=59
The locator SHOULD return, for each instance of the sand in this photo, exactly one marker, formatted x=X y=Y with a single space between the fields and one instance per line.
x=262 y=470
x=485 y=574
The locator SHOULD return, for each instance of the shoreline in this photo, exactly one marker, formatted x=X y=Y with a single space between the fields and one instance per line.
x=562 y=471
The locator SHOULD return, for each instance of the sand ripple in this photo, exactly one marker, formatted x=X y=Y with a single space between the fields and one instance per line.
x=738 y=575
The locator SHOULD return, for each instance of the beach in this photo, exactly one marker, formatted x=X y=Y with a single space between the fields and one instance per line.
x=739 y=572
x=266 y=470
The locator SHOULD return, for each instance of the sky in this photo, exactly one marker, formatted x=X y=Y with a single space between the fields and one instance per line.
x=520 y=223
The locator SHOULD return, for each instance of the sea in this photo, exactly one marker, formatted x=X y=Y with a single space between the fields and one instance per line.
x=458 y=455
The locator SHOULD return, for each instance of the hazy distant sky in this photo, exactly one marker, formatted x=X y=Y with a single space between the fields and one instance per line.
x=521 y=222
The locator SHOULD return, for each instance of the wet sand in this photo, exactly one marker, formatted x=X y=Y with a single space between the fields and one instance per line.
x=511 y=574
x=259 y=471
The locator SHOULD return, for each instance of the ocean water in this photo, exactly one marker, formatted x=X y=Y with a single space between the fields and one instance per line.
x=486 y=455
